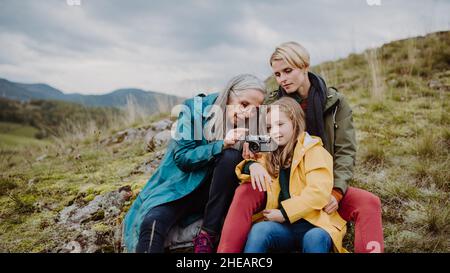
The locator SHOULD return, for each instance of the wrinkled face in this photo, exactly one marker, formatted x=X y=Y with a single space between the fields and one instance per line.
x=242 y=106
x=290 y=78
x=280 y=128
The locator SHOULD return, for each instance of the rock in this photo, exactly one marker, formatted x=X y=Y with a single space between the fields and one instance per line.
x=95 y=224
x=65 y=214
x=32 y=181
x=69 y=150
x=71 y=247
x=134 y=134
x=43 y=206
x=146 y=167
x=161 y=125
x=182 y=237
x=151 y=164
x=148 y=140
x=435 y=84
x=119 y=137
x=130 y=134
x=126 y=192
x=42 y=157
x=103 y=206
x=159 y=140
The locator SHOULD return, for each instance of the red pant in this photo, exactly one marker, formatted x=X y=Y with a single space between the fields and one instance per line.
x=357 y=205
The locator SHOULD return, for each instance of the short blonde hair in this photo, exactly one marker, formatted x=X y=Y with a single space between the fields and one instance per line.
x=292 y=53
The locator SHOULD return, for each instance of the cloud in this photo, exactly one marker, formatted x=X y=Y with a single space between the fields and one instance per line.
x=184 y=47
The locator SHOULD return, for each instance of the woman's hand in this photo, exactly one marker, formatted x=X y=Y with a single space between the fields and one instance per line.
x=260 y=177
x=274 y=215
x=247 y=154
x=233 y=136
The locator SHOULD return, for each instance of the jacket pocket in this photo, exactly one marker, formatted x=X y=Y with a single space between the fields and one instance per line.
x=338 y=222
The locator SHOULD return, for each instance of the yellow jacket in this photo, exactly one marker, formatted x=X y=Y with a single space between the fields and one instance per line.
x=310 y=186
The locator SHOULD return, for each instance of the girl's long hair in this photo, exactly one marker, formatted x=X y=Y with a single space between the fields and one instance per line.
x=282 y=157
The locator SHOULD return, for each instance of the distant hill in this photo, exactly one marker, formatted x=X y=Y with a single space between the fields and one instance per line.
x=51 y=117
x=151 y=102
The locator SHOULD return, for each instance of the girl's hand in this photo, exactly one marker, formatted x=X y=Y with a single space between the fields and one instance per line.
x=332 y=206
x=274 y=215
x=233 y=136
x=247 y=154
x=260 y=177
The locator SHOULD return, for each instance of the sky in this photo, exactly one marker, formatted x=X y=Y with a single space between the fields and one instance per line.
x=183 y=47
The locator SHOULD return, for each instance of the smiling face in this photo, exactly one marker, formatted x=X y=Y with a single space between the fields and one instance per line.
x=240 y=106
x=280 y=128
x=288 y=77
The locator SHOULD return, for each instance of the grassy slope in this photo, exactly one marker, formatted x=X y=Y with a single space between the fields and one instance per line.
x=403 y=154
x=28 y=208
x=403 y=136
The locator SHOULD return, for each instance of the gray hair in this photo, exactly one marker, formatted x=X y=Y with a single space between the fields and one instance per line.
x=237 y=85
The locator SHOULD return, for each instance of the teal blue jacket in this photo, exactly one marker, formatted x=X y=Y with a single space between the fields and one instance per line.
x=187 y=164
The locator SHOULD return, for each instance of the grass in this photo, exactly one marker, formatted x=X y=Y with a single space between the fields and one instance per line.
x=16 y=129
x=403 y=154
x=76 y=167
x=374 y=155
x=403 y=139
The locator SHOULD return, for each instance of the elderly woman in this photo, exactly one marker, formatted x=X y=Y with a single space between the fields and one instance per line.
x=197 y=172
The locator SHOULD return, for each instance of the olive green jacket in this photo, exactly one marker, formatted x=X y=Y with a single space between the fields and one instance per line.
x=338 y=121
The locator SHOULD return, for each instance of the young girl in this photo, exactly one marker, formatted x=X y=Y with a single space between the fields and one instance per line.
x=298 y=178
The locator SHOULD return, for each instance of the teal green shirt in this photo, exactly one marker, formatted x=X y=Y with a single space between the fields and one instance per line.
x=284 y=184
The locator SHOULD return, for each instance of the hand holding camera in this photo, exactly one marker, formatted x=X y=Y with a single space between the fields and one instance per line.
x=234 y=136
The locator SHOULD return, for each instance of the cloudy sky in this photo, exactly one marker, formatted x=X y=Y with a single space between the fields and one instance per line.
x=183 y=47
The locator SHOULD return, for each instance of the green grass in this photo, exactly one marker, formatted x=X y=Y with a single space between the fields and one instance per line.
x=17 y=129
x=14 y=135
x=403 y=140
x=74 y=169
x=403 y=156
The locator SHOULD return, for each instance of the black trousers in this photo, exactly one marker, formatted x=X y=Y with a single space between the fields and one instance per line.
x=215 y=196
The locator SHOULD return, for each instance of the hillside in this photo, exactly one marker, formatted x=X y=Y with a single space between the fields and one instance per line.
x=152 y=102
x=56 y=118
x=70 y=195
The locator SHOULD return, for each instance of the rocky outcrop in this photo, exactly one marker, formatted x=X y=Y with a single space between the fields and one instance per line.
x=96 y=226
x=96 y=223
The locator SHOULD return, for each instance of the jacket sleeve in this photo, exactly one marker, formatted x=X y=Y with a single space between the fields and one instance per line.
x=344 y=146
x=189 y=155
x=319 y=183
x=240 y=173
x=240 y=170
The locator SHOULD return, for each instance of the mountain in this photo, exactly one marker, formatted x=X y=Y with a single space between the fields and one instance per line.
x=151 y=102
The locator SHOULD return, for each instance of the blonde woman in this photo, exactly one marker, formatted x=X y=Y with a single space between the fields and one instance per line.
x=328 y=116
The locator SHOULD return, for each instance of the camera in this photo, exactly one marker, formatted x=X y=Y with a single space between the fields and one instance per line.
x=260 y=143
